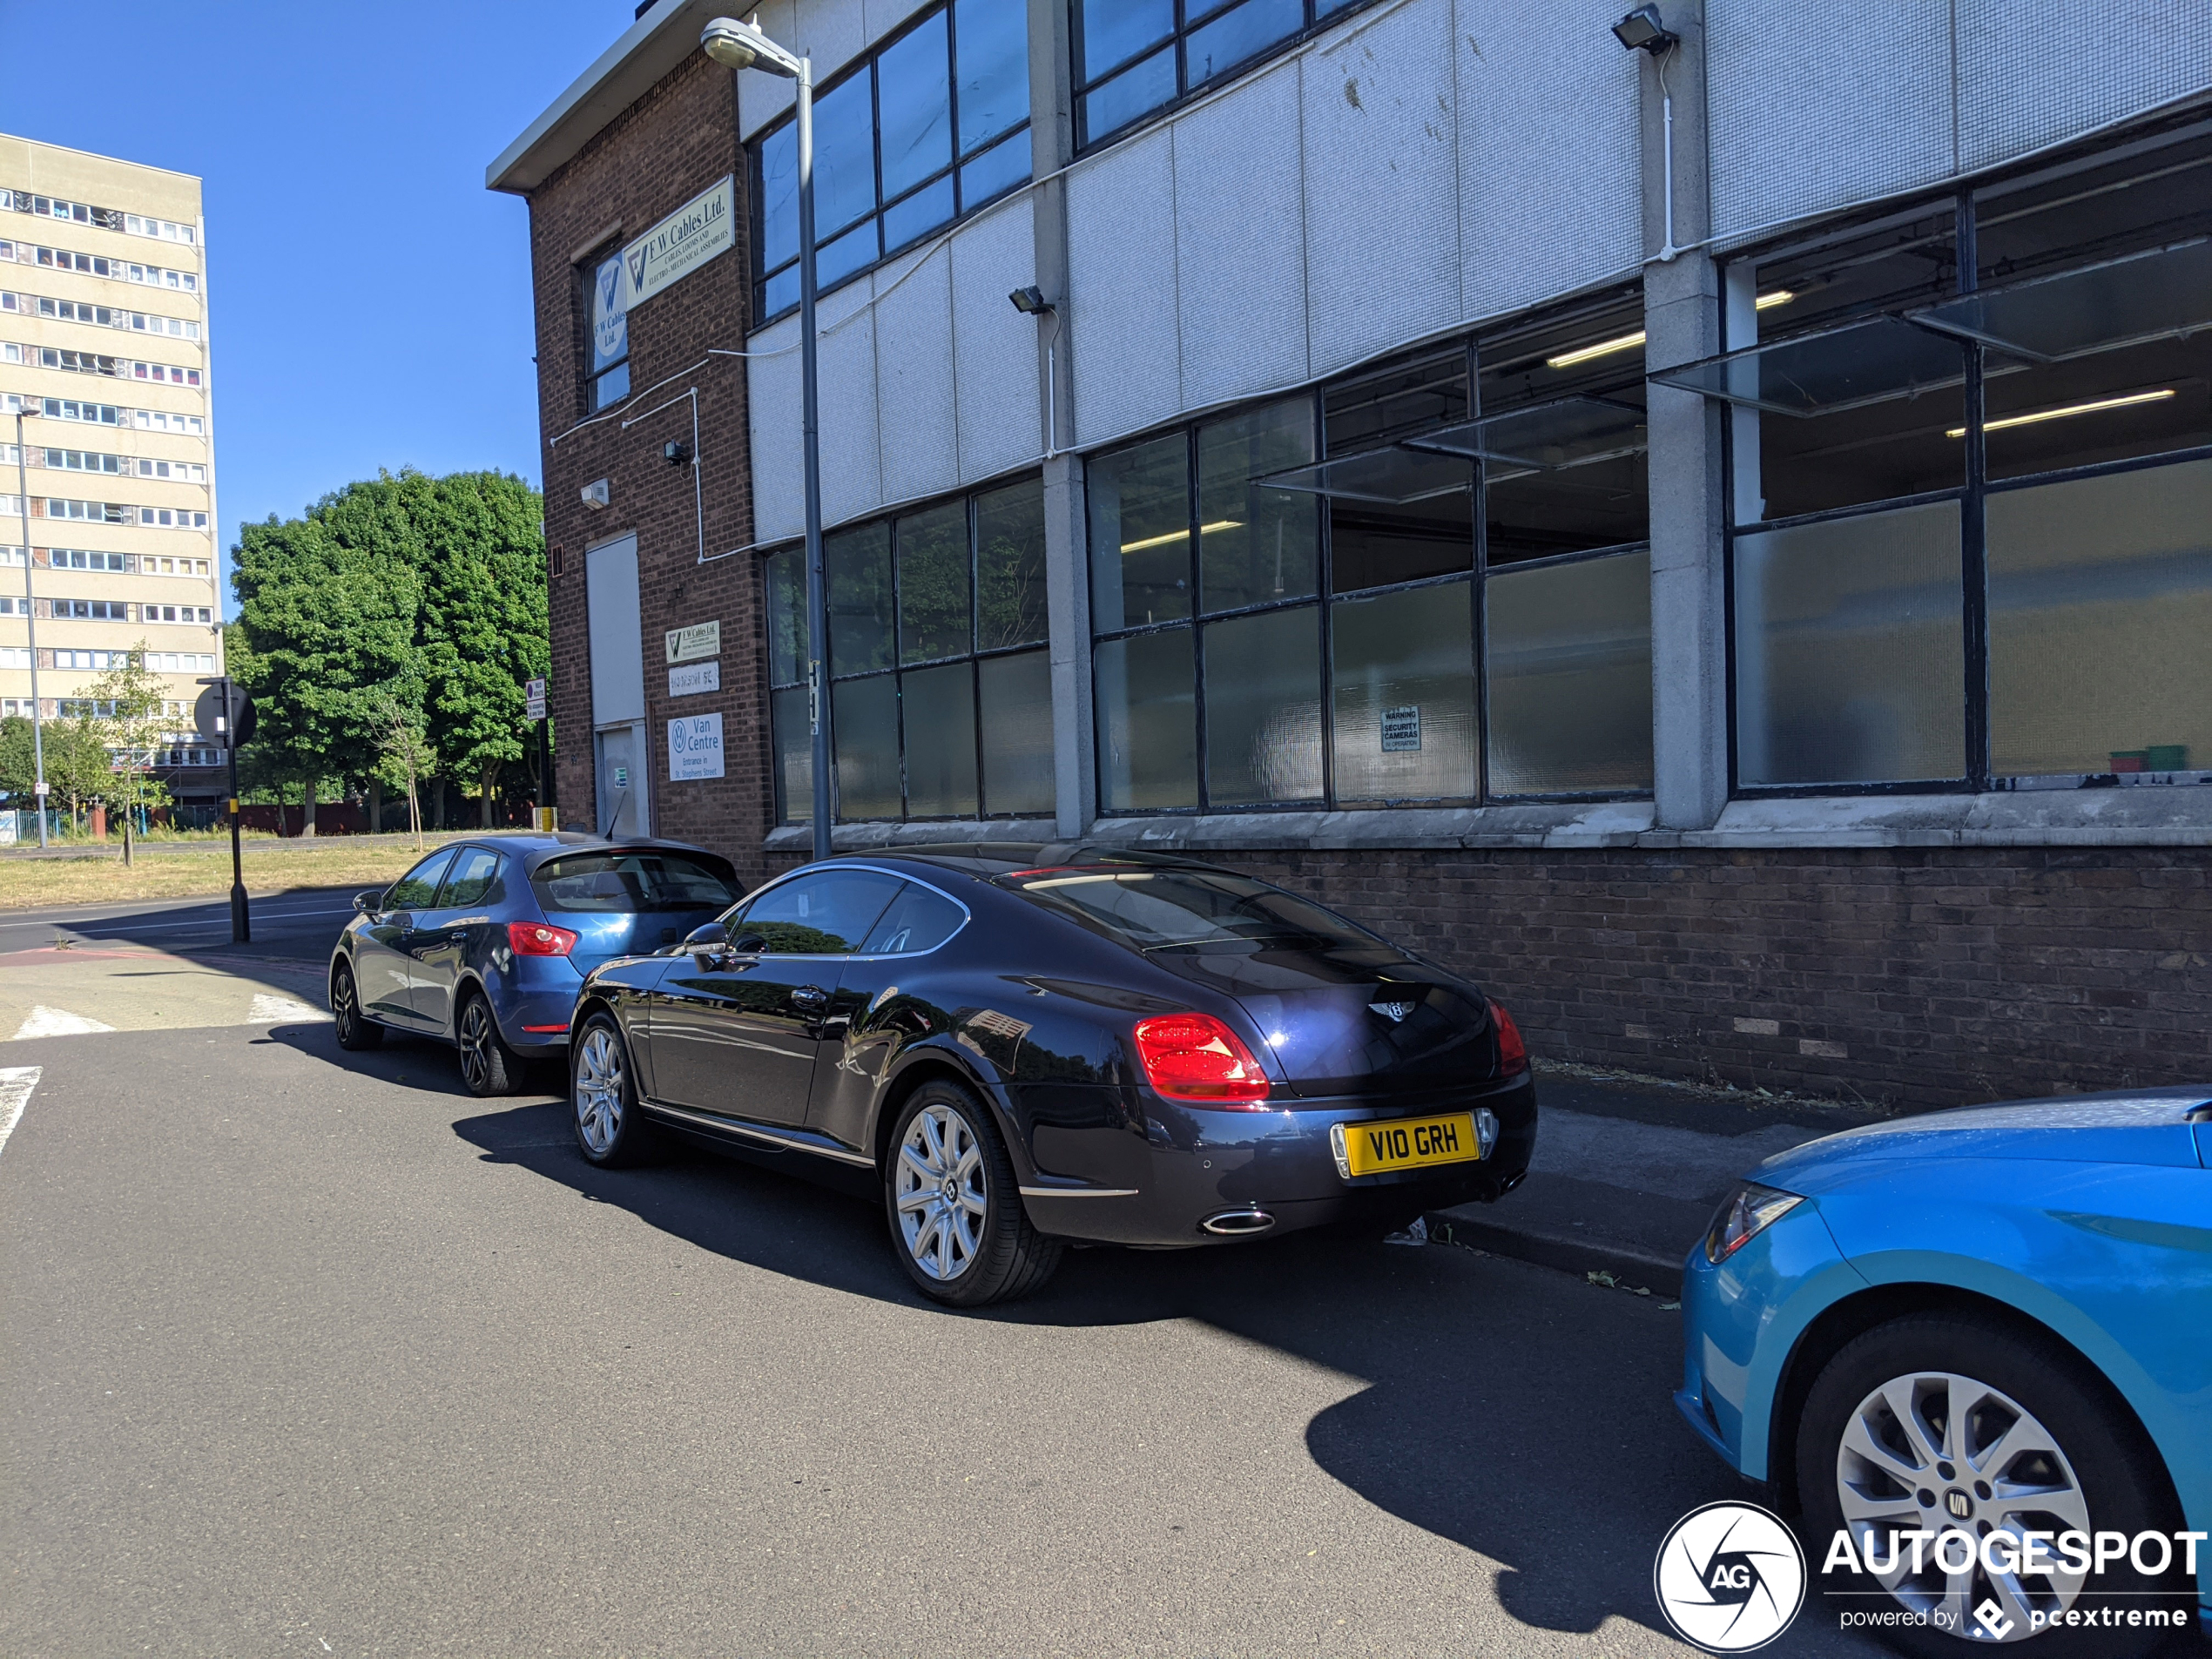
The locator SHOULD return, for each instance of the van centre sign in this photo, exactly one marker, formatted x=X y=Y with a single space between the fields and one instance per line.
x=687 y=239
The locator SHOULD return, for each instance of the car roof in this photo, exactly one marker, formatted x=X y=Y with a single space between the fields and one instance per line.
x=535 y=848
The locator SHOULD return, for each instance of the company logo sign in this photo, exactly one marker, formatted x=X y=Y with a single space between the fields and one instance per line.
x=687 y=239
x=1729 y=1577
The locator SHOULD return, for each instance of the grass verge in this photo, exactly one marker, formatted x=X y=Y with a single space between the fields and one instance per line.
x=190 y=872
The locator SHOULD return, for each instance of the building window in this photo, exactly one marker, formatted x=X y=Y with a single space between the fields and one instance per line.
x=1968 y=495
x=166 y=373
x=172 y=518
x=157 y=420
x=81 y=461
x=931 y=126
x=941 y=686
x=62 y=259
x=1456 y=585
x=75 y=558
x=189 y=472
x=1133 y=56
x=607 y=374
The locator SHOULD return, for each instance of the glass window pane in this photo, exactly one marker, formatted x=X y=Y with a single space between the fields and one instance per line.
x=915 y=107
x=845 y=155
x=2074 y=213
x=917 y=921
x=1116 y=30
x=609 y=318
x=1370 y=544
x=865 y=725
x=1230 y=38
x=1849 y=664
x=1017 y=734
x=779 y=196
x=1009 y=566
x=780 y=292
x=1263 y=708
x=794 y=755
x=826 y=914
x=855 y=250
x=1148 y=734
x=991 y=39
x=934 y=585
x=1395 y=403
x=1537 y=511
x=2107 y=406
x=918 y=215
x=1404 y=683
x=1000 y=168
x=787 y=616
x=940 y=741
x=1140 y=534
x=611 y=387
x=2099 y=612
x=1569 y=662
x=857 y=563
x=1255 y=545
x=1129 y=95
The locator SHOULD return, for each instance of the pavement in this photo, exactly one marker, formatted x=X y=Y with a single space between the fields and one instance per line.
x=1628 y=1171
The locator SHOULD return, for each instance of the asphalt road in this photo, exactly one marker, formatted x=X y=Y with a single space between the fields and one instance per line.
x=310 y=1353
x=300 y=923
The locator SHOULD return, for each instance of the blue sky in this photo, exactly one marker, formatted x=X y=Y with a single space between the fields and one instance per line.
x=369 y=299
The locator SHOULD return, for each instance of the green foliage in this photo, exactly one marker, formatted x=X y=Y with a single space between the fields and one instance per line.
x=78 y=768
x=402 y=599
x=17 y=774
x=132 y=730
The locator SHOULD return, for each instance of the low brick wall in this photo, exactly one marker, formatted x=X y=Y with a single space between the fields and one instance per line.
x=1910 y=978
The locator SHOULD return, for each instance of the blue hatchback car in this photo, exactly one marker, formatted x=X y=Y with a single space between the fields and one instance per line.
x=1975 y=1349
x=485 y=944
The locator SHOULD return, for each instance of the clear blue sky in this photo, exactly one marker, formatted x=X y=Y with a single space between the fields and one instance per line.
x=369 y=299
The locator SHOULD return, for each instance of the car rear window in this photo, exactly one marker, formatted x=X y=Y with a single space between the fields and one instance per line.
x=632 y=883
x=1151 y=909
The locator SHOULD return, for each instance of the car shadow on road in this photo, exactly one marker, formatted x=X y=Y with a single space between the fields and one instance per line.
x=1507 y=1408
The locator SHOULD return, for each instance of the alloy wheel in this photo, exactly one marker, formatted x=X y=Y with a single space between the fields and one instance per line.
x=598 y=1090
x=942 y=1193
x=345 y=1004
x=1941 y=1453
x=476 y=1038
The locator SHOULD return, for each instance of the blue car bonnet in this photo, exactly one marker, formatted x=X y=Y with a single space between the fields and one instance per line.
x=2150 y=1126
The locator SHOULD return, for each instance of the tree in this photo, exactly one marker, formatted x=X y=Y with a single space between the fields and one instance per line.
x=133 y=723
x=404 y=755
x=77 y=767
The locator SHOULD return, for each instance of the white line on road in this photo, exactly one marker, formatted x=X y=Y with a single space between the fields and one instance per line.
x=280 y=1010
x=57 y=1023
x=16 y=1084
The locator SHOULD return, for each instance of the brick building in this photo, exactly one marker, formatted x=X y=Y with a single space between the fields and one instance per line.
x=1711 y=539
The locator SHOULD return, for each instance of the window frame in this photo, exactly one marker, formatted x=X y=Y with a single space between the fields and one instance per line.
x=589 y=378
x=1972 y=492
x=756 y=163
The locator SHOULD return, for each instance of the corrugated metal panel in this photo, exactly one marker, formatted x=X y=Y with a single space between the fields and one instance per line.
x=1382 y=245
x=2031 y=78
x=1122 y=303
x=1239 y=211
x=884 y=16
x=1550 y=158
x=772 y=411
x=913 y=376
x=994 y=347
x=763 y=98
x=1818 y=105
x=852 y=469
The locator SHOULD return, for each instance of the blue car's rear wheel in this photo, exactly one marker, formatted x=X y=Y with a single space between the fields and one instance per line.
x=487 y=1068
x=1978 y=1435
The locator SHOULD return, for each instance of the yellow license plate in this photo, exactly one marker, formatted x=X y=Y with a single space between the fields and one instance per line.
x=1407 y=1143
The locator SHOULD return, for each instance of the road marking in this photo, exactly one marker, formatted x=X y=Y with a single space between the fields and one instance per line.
x=57 y=1023
x=210 y=925
x=286 y=1010
x=16 y=1084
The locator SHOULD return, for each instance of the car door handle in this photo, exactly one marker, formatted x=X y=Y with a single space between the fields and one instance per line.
x=811 y=997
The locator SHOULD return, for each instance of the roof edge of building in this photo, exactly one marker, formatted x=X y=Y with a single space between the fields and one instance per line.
x=645 y=52
x=101 y=155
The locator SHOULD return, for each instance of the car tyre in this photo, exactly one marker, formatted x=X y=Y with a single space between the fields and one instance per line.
x=602 y=1097
x=2098 y=1473
x=357 y=1033
x=488 y=1067
x=951 y=1197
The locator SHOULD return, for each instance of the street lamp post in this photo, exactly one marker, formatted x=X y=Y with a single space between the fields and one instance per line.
x=30 y=621
x=744 y=46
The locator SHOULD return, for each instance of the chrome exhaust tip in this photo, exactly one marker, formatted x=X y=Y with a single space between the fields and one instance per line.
x=1237 y=1223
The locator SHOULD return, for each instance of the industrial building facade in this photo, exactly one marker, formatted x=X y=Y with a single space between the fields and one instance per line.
x=1716 y=540
x=104 y=345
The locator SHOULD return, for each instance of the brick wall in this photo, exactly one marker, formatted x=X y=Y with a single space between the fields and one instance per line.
x=663 y=150
x=1904 y=977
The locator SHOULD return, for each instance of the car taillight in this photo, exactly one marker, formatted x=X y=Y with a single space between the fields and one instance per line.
x=539 y=939
x=1195 y=1056
x=1513 y=1053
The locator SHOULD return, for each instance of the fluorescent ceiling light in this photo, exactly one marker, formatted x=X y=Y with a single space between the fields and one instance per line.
x=1182 y=535
x=1629 y=342
x=2132 y=399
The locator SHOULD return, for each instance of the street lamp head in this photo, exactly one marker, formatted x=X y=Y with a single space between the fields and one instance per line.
x=742 y=45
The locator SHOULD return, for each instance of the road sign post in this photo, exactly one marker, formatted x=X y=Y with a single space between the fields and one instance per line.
x=534 y=709
x=225 y=715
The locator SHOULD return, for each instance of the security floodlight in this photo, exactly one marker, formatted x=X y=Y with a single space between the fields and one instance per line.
x=594 y=494
x=676 y=452
x=1641 y=31
x=1029 y=301
x=741 y=46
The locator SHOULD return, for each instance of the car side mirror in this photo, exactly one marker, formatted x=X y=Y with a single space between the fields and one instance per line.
x=368 y=903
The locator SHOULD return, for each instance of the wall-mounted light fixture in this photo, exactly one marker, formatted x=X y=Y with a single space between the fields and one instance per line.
x=1029 y=301
x=676 y=452
x=1641 y=30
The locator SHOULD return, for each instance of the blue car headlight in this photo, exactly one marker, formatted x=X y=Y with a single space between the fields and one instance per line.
x=1747 y=1212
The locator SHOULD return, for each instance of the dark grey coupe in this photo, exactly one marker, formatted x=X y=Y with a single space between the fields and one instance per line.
x=1024 y=1045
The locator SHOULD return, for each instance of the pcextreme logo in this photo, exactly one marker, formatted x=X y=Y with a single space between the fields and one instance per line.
x=1729 y=1577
